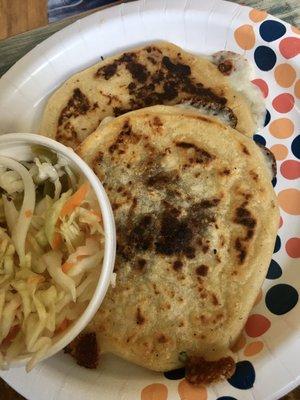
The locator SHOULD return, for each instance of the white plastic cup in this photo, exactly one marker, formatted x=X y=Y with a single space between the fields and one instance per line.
x=18 y=147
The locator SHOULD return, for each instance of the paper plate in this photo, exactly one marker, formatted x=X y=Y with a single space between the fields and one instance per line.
x=269 y=361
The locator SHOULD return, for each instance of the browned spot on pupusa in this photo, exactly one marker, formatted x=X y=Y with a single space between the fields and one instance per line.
x=254 y=175
x=199 y=155
x=225 y=171
x=202 y=270
x=225 y=67
x=214 y=299
x=139 y=317
x=241 y=250
x=200 y=371
x=245 y=150
x=177 y=265
x=140 y=264
x=162 y=338
x=85 y=350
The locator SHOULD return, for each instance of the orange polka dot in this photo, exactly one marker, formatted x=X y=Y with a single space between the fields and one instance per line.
x=253 y=348
x=297 y=89
x=280 y=151
x=239 y=344
x=290 y=169
x=295 y=30
x=257 y=15
x=280 y=222
x=187 y=391
x=283 y=103
x=155 y=391
x=289 y=47
x=285 y=75
x=289 y=201
x=282 y=128
x=293 y=247
x=259 y=297
x=257 y=325
x=245 y=37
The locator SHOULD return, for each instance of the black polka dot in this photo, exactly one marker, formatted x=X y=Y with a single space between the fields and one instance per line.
x=259 y=139
x=244 y=376
x=271 y=30
x=296 y=146
x=274 y=271
x=267 y=118
x=265 y=58
x=175 y=374
x=277 y=244
x=281 y=298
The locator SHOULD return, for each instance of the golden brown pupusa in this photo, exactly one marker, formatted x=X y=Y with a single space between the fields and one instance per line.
x=158 y=73
x=196 y=219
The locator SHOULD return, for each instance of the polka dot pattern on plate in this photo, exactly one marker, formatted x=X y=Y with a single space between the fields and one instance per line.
x=293 y=247
x=289 y=201
x=277 y=244
x=283 y=103
x=259 y=139
x=271 y=30
x=296 y=146
x=265 y=58
x=281 y=128
x=267 y=118
x=155 y=391
x=262 y=85
x=175 y=374
x=244 y=376
x=274 y=271
x=226 y=398
x=280 y=151
x=289 y=47
x=257 y=325
x=253 y=348
x=285 y=75
x=257 y=15
x=245 y=37
x=187 y=391
x=290 y=169
x=281 y=298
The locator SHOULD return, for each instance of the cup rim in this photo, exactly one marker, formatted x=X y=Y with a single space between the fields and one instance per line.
x=109 y=235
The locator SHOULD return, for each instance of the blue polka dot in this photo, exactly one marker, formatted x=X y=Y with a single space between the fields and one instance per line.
x=274 y=181
x=267 y=118
x=277 y=244
x=244 y=376
x=274 y=271
x=175 y=374
x=226 y=398
x=281 y=298
x=259 y=139
x=296 y=146
x=271 y=30
x=265 y=58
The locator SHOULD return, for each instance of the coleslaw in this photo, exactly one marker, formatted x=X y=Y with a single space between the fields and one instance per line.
x=51 y=251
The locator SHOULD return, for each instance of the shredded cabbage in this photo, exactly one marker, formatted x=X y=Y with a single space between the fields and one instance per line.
x=50 y=260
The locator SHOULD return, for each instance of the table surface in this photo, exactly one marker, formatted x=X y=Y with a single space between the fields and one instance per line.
x=14 y=48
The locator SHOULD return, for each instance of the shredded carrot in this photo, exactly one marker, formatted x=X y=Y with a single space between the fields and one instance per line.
x=56 y=242
x=81 y=257
x=28 y=213
x=75 y=200
x=67 y=266
x=63 y=326
x=36 y=279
